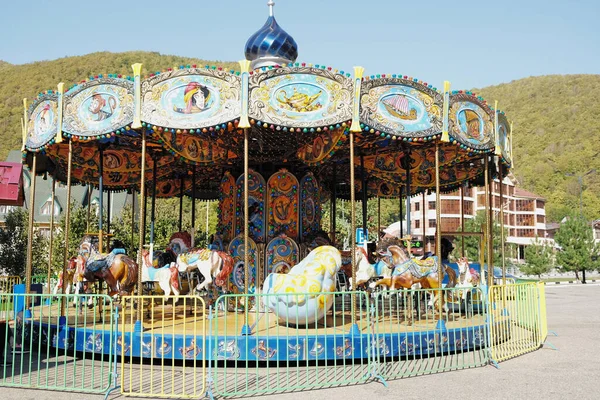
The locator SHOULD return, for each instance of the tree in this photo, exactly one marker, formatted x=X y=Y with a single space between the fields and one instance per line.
x=538 y=258
x=13 y=246
x=578 y=251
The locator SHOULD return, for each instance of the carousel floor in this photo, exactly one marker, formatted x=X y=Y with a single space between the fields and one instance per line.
x=192 y=319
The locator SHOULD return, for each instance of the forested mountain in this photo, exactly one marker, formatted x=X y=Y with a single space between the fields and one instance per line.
x=556 y=121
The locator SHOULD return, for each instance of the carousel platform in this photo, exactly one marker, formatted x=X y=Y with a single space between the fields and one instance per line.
x=195 y=333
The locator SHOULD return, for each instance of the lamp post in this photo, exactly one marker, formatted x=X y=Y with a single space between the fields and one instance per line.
x=580 y=181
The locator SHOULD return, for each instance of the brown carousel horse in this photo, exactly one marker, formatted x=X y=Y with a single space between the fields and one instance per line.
x=119 y=271
x=408 y=272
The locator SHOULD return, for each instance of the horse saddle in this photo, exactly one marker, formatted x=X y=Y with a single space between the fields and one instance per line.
x=418 y=268
x=100 y=262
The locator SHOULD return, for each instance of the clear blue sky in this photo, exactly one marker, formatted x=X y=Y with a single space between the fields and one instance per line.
x=470 y=43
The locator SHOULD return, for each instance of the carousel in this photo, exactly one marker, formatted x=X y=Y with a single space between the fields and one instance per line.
x=274 y=143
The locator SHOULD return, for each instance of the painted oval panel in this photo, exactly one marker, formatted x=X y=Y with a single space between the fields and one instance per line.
x=191 y=98
x=43 y=122
x=503 y=137
x=300 y=97
x=471 y=122
x=98 y=107
x=401 y=107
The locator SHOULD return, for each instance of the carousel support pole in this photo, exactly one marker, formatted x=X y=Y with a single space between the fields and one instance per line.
x=401 y=212
x=207 y=216
x=365 y=198
x=193 y=224
x=334 y=206
x=438 y=235
x=101 y=201
x=181 y=202
x=353 y=228
x=502 y=224
x=378 y=216
x=145 y=211
x=246 y=329
x=140 y=304
x=488 y=223
x=133 y=196
x=462 y=220
x=51 y=244
x=424 y=221
x=408 y=184
x=108 y=215
x=153 y=209
x=67 y=232
x=354 y=128
x=30 y=233
x=90 y=190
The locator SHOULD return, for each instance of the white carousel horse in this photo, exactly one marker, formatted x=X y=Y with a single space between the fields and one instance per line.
x=365 y=270
x=468 y=277
x=313 y=278
x=211 y=264
x=167 y=276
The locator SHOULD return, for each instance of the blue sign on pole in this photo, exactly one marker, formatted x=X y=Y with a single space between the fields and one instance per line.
x=361 y=236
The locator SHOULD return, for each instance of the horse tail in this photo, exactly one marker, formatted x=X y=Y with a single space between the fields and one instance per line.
x=132 y=274
x=226 y=268
x=451 y=276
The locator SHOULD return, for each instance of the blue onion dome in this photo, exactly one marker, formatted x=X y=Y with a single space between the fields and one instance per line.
x=271 y=45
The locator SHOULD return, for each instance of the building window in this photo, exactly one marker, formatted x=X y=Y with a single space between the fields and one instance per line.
x=6 y=209
x=541 y=219
x=47 y=208
x=451 y=207
x=432 y=223
x=524 y=205
x=450 y=224
x=539 y=203
x=417 y=224
x=432 y=205
x=417 y=206
x=525 y=220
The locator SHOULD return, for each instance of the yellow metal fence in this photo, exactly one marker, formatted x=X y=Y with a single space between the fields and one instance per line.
x=172 y=337
x=516 y=320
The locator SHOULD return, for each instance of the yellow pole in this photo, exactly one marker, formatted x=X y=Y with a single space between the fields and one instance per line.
x=246 y=221
x=488 y=223
x=438 y=226
x=354 y=127
x=24 y=123
x=502 y=225
x=67 y=226
x=142 y=229
x=462 y=219
x=30 y=228
x=51 y=234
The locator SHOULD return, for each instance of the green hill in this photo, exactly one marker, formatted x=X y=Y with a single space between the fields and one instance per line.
x=556 y=121
x=556 y=129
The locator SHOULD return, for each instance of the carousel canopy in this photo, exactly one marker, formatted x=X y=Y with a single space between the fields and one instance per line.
x=299 y=117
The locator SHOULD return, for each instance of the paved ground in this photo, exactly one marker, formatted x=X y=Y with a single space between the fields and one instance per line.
x=572 y=372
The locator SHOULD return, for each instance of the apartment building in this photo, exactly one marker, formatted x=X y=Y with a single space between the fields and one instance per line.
x=524 y=213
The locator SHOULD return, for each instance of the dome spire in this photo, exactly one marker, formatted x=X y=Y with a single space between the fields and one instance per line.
x=271 y=4
x=271 y=45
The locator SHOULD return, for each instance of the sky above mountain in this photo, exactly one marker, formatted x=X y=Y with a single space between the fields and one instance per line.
x=470 y=43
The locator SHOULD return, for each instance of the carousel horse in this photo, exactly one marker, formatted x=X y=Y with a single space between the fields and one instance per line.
x=68 y=279
x=118 y=270
x=313 y=278
x=365 y=271
x=211 y=264
x=408 y=271
x=165 y=273
x=467 y=277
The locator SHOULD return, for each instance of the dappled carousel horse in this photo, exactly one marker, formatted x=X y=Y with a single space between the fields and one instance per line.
x=408 y=271
x=161 y=270
x=119 y=271
x=212 y=264
x=313 y=279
